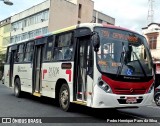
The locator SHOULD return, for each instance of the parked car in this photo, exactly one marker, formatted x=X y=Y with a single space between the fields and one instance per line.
x=157 y=96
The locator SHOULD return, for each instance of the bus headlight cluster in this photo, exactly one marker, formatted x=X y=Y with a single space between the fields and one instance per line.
x=104 y=86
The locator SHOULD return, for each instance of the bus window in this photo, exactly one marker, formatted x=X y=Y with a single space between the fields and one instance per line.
x=8 y=55
x=29 y=52
x=63 y=47
x=20 y=53
x=49 y=47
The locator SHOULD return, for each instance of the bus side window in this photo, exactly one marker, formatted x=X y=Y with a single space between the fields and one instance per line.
x=49 y=48
x=8 y=55
x=63 y=46
x=29 y=52
x=90 y=60
x=20 y=53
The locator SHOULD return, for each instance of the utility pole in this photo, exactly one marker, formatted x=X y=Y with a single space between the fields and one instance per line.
x=150 y=17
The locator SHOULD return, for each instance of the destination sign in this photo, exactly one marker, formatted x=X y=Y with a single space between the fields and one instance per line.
x=121 y=36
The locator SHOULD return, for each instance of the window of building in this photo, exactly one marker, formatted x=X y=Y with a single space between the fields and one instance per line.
x=38 y=32
x=78 y=22
x=32 y=21
x=29 y=52
x=44 y=16
x=25 y=36
x=13 y=39
x=24 y=23
x=39 y=17
x=19 y=24
x=31 y=34
x=18 y=38
x=152 y=40
x=44 y=30
x=79 y=10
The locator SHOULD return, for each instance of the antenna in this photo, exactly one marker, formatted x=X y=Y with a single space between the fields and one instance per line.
x=150 y=17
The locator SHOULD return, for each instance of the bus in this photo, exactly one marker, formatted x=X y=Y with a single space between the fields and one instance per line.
x=91 y=64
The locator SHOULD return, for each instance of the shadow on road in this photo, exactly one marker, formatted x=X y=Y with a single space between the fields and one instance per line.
x=98 y=114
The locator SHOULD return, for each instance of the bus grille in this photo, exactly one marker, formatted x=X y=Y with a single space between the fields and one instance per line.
x=129 y=91
x=123 y=101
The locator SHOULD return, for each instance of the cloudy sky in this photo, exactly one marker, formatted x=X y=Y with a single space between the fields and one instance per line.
x=131 y=14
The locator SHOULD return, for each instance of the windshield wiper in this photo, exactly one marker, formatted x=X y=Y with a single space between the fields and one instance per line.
x=140 y=65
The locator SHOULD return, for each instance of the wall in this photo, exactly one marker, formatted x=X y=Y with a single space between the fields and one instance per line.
x=101 y=16
x=5 y=28
x=64 y=14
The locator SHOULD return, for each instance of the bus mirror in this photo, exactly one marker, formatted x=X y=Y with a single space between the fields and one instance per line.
x=96 y=41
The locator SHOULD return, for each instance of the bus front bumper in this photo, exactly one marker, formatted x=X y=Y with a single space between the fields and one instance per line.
x=101 y=99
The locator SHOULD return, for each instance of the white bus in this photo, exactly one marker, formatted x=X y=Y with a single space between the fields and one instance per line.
x=96 y=65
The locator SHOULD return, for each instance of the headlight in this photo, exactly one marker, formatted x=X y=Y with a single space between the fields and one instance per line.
x=150 y=88
x=104 y=86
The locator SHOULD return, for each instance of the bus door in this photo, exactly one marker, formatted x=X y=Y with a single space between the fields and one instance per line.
x=82 y=63
x=12 y=60
x=38 y=57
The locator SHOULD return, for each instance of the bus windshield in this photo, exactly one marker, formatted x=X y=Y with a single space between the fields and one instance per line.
x=123 y=53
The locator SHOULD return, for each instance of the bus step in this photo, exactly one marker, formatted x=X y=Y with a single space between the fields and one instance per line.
x=37 y=94
x=80 y=102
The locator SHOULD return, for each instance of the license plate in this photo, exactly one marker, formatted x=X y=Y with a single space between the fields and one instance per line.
x=131 y=100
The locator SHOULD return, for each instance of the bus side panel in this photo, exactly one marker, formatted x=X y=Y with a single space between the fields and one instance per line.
x=24 y=71
x=51 y=72
x=6 y=74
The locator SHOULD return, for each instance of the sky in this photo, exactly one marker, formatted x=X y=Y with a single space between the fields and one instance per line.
x=131 y=14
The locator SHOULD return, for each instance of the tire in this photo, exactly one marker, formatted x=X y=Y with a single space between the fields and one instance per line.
x=64 y=98
x=17 y=88
x=157 y=99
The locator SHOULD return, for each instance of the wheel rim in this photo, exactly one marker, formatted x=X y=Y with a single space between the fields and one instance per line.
x=158 y=100
x=64 y=98
x=16 y=90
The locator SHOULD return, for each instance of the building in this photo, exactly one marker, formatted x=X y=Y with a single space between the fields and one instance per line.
x=51 y=15
x=99 y=17
x=152 y=34
x=31 y=22
x=5 y=28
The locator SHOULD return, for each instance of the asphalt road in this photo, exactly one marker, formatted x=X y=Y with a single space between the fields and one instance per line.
x=47 y=110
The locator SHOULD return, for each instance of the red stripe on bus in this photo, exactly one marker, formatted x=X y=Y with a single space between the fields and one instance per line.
x=69 y=72
x=119 y=87
x=44 y=72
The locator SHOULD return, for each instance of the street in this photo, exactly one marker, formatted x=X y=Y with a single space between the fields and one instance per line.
x=30 y=106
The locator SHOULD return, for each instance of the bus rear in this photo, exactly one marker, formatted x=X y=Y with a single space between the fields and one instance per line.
x=123 y=72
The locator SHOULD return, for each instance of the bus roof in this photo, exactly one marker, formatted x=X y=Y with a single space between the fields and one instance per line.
x=118 y=27
x=89 y=25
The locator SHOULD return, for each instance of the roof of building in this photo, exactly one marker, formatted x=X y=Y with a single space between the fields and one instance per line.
x=151 y=24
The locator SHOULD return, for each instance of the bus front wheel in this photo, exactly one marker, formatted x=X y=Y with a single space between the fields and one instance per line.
x=64 y=97
x=17 y=88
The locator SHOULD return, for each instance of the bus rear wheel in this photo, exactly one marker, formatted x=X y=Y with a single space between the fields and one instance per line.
x=17 y=88
x=64 y=99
